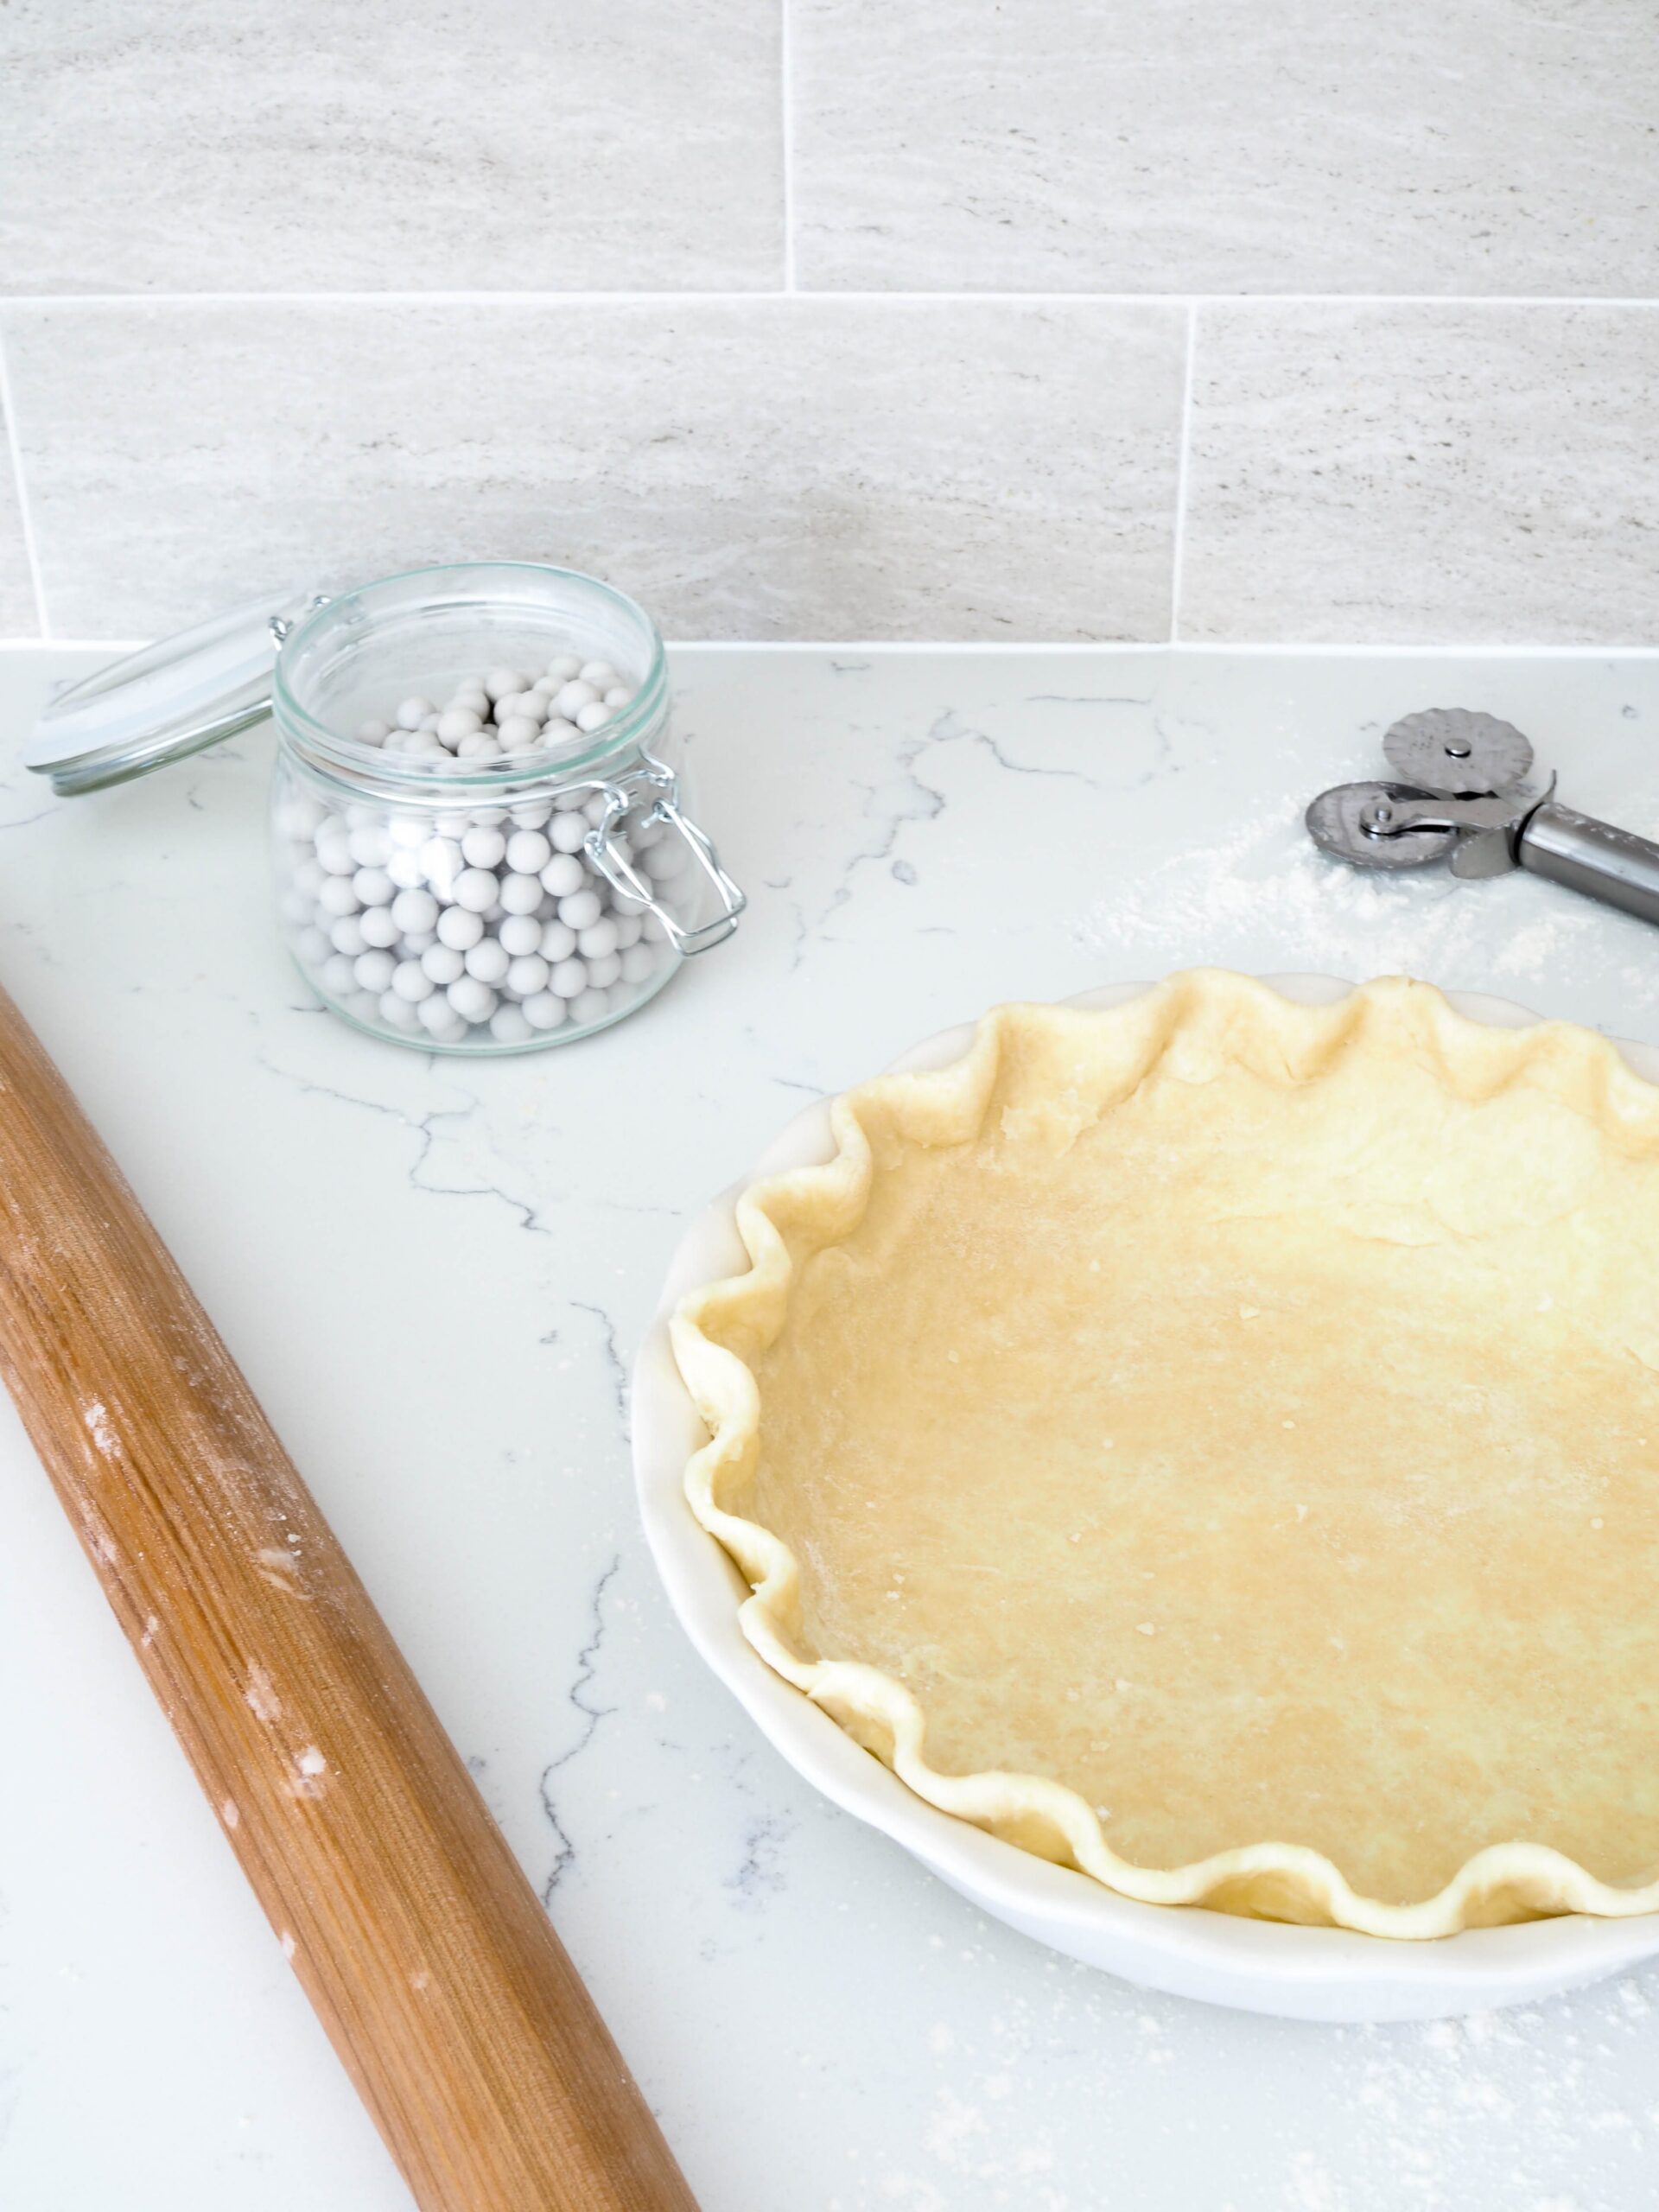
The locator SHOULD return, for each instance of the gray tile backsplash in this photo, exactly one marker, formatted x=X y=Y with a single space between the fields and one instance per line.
x=1423 y=473
x=779 y=469
x=1227 y=146
x=512 y=145
x=1242 y=319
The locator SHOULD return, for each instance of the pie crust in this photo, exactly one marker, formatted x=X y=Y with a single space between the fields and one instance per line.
x=1213 y=1443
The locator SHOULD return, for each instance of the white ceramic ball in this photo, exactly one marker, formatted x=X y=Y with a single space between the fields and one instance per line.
x=415 y=912
x=337 y=896
x=520 y=895
x=509 y=1026
x=458 y=928
x=527 y=975
x=410 y=980
x=580 y=909
x=378 y=928
x=373 y=969
x=440 y=1020
x=487 y=961
x=442 y=964
x=520 y=934
x=473 y=1000
x=564 y=875
x=374 y=887
x=528 y=852
x=474 y=888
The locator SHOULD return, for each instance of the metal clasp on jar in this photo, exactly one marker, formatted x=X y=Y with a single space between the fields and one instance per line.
x=657 y=782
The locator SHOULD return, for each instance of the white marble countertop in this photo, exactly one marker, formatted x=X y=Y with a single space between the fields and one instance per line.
x=434 y=1273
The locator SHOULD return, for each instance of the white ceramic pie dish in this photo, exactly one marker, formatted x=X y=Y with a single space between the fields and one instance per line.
x=1315 y=1974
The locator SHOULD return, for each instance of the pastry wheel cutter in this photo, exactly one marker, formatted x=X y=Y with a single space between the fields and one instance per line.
x=1466 y=790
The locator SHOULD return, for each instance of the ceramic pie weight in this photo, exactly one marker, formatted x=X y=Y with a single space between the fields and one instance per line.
x=428 y=1957
x=1464 y=791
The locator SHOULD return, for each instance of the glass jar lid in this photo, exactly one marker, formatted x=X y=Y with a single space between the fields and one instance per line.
x=166 y=701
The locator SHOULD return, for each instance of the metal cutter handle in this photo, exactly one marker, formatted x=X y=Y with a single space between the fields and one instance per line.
x=1605 y=862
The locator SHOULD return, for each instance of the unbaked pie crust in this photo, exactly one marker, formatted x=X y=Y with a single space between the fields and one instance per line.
x=1214 y=1443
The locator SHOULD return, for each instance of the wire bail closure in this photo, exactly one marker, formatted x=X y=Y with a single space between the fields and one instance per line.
x=620 y=872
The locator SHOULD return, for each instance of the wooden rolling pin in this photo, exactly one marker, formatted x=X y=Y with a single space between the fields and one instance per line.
x=427 y=1955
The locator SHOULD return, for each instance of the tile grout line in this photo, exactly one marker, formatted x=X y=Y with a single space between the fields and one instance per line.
x=1177 y=550
x=786 y=138
x=1210 y=648
x=26 y=521
x=1064 y=648
x=760 y=295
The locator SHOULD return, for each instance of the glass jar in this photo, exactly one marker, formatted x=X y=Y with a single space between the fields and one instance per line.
x=462 y=895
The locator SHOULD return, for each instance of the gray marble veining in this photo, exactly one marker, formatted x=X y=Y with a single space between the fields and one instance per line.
x=314 y=147
x=1407 y=473
x=765 y=469
x=1432 y=146
x=433 y=1276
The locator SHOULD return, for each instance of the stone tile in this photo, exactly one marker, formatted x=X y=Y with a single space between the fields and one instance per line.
x=767 y=468
x=19 y=617
x=1424 y=474
x=317 y=147
x=1447 y=146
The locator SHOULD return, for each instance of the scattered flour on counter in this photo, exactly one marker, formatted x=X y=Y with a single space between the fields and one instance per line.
x=1262 y=893
x=952 y=2123
x=1311 y=2188
x=1514 y=2111
x=1529 y=951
